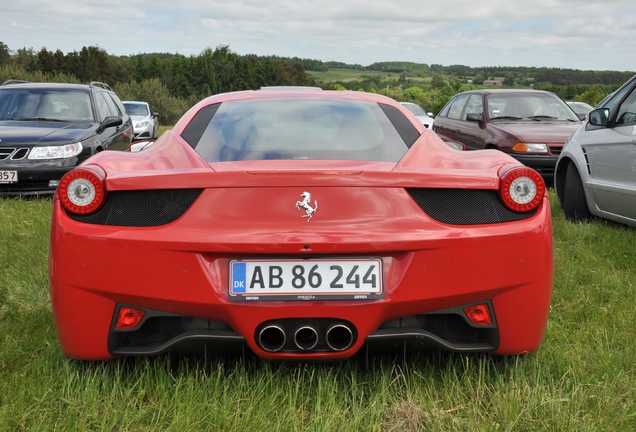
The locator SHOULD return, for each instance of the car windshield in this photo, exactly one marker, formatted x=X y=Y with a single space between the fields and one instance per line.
x=580 y=107
x=43 y=104
x=535 y=106
x=295 y=128
x=415 y=109
x=136 y=109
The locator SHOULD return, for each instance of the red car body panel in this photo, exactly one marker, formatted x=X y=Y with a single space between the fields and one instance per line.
x=246 y=210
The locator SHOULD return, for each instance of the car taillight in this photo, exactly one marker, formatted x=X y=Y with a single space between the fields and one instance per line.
x=82 y=190
x=521 y=189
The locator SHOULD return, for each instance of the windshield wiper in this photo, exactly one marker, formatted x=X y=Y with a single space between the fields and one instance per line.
x=545 y=117
x=42 y=119
x=505 y=118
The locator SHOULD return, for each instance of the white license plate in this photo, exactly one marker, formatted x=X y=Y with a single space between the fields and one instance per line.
x=8 y=176
x=325 y=279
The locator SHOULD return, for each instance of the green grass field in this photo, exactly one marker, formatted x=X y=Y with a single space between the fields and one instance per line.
x=583 y=378
x=347 y=75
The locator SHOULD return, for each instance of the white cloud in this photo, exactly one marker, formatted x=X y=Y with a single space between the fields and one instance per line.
x=582 y=34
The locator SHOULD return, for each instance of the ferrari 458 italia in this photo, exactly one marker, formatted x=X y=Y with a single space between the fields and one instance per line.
x=300 y=224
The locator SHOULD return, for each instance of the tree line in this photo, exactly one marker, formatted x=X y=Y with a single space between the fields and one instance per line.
x=172 y=83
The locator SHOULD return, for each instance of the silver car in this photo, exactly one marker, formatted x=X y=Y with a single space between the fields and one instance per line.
x=596 y=171
x=145 y=121
x=419 y=112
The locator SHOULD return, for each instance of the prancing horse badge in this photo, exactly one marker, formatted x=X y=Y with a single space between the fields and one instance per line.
x=306 y=204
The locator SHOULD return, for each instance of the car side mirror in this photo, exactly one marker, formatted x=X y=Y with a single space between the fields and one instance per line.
x=599 y=117
x=155 y=114
x=476 y=117
x=137 y=146
x=108 y=122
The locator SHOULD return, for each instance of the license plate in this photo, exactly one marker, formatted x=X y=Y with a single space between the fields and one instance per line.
x=324 y=279
x=8 y=176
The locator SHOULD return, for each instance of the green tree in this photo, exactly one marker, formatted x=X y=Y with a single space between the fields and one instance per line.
x=5 y=54
x=438 y=81
x=26 y=59
x=593 y=96
x=45 y=61
x=93 y=65
x=509 y=79
x=479 y=79
x=414 y=93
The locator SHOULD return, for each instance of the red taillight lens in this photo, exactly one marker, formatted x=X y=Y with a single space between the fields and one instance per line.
x=129 y=318
x=82 y=191
x=521 y=189
x=479 y=314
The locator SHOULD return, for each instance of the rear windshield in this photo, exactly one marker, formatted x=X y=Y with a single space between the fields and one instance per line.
x=295 y=128
x=43 y=104
x=136 y=109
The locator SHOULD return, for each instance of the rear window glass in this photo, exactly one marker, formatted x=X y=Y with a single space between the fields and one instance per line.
x=297 y=128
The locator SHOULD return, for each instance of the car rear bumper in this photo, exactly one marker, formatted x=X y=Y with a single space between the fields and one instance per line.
x=94 y=269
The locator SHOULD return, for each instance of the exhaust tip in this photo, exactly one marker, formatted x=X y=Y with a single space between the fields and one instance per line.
x=306 y=337
x=272 y=338
x=339 y=337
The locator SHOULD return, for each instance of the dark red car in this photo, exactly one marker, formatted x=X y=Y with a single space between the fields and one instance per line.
x=530 y=125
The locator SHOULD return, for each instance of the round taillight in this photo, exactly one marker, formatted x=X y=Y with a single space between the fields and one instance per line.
x=82 y=191
x=521 y=189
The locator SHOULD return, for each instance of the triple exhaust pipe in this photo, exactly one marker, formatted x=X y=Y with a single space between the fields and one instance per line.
x=306 y=336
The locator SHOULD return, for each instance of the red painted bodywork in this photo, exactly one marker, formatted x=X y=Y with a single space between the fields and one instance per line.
x=247 y=210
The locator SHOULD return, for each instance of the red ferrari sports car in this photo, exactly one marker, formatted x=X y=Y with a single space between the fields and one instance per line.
x=300 y=225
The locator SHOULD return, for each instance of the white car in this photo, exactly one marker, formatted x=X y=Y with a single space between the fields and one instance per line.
x=419 y=112
x=145 y=121
x=595 y=171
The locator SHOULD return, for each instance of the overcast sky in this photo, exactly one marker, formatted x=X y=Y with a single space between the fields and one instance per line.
x=576 y=34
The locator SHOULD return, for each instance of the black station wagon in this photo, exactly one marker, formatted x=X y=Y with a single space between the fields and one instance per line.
x=46 y=129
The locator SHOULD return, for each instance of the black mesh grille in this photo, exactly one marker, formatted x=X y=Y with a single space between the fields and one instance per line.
x=146 y=208
x=465 y=206
x=5 y=153
x=450 y=327
x=159 y=330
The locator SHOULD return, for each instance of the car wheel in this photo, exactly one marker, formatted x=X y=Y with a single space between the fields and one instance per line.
x=573 y=202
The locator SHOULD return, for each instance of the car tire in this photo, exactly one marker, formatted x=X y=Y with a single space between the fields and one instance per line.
x=573 y=202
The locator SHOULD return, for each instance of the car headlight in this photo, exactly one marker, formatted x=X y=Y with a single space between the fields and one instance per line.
x=530 y=147
x=56 y=152
x=142 y=124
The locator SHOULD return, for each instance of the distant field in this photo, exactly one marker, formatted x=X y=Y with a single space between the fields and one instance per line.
x=347 y=75
x=344 y=75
